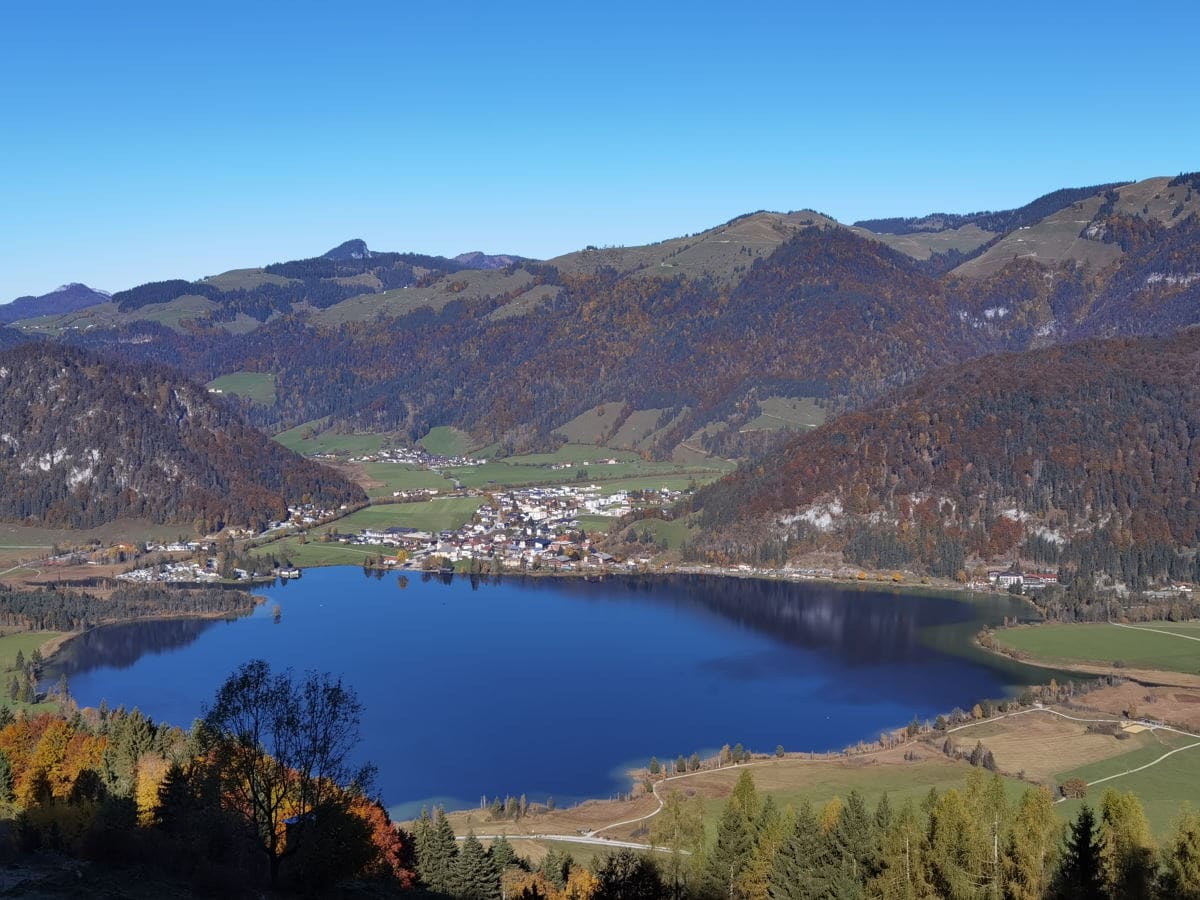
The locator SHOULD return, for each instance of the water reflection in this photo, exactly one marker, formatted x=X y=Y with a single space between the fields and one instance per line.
x=120 y=646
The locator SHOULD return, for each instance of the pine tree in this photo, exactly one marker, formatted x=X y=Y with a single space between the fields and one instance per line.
x=556 y=867
x=1127 y=852
x=626 y=875
x=883 y=814
x=1181 y=859
x=848 y=859
x=731 y=853
x=794 y=869
x=476 y=876
x=502 y=854
x=422 y=832
x=1079 y=876
x=6 y=779
x=437 y=865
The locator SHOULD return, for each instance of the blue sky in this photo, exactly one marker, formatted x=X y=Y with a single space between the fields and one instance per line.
x=178 y=140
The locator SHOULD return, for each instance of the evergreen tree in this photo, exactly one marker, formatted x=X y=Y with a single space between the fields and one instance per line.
x=848 y=858
x=730 y=854
x=1127 y=851
x=794 y=869
x=422 y=832
x=1181 y=859
x=883 y=814
x=770 y=831
x=1079 y=876
x=476 y=876
x=502 y=854
x=6 y=779
x=626 y=875
x=437 y=865
x=556 y=867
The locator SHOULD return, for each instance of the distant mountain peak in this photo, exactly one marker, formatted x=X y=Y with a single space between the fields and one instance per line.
x=63 y=299
x=352 y=249
x=477 y=259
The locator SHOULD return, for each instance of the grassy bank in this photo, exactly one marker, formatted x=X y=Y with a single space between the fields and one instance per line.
x=1108 y=645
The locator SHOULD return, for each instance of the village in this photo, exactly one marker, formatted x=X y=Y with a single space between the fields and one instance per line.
x=525 y=529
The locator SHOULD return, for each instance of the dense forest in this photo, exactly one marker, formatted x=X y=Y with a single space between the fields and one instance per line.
x=831 y=314
x=1084 y=455
x=976 y=841
x=86 y=440
x=1000 y=222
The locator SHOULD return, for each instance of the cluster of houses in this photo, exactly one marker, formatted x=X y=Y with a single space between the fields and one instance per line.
x=181 y=572
x=521 y=528
x=1028 y=581
x=418 y=456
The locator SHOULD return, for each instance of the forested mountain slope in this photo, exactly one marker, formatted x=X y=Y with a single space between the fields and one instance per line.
x=84 y=441
x=693 y=334
x=1086 y=454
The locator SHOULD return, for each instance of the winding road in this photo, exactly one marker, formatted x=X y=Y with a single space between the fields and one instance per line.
x=593 y=837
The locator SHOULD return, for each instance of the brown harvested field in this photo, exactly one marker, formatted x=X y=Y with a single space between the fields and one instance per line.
x=1166 y=703
x=1041 y=745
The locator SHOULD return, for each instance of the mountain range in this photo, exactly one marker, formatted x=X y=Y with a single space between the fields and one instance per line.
x=701 y=338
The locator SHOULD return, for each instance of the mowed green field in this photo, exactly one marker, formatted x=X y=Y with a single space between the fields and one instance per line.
x=1104 y=644
x=256 y=386
x=402 y=477
x=1163 y=788
x=328 y=442
x=787 y=412
x=446 y=440
x=430 y=515
x=675 y=532
x=24 y=642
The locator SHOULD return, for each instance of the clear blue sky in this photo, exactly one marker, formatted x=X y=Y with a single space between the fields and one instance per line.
x=146 y=141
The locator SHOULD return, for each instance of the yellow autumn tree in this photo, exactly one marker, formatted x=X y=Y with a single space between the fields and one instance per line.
x=581 y=885
x=151 y=770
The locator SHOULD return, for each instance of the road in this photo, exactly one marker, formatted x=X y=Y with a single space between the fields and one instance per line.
x=593 y=837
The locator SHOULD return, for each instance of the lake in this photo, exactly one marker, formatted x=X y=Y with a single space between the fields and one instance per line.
x=554 y=687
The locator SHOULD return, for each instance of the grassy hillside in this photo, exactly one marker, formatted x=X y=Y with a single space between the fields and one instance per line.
x=256 y=386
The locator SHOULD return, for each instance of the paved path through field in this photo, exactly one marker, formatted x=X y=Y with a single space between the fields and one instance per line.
x=592 y=837
x=1175 y=634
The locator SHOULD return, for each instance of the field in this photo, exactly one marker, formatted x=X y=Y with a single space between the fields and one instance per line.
x=639 y=426
x=1163 y=788
x=429 y=515
x=321 y=441
x=21 y=543
x=256 y=386
x=1104 y=644
x=381 y=479
x=788 y=781
x=1043 y=746
x=591 y=426
x=25 y=642
x=787 y=412
x=629 y=472
x=675 y=532
x=445 y=440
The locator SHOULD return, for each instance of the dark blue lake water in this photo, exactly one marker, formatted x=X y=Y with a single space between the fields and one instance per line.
x=553 y=687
